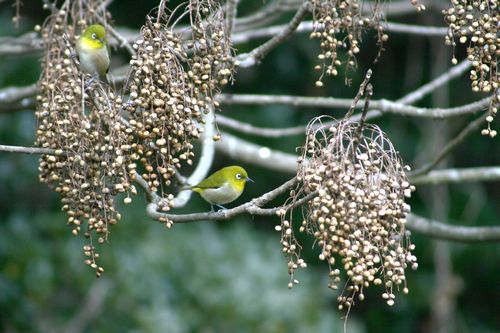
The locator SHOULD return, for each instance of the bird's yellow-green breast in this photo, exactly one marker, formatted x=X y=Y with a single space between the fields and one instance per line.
x=93 y=52
x=223 y=186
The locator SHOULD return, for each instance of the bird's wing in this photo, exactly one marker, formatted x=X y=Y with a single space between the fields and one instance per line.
x=108 y=47
x=213 y=181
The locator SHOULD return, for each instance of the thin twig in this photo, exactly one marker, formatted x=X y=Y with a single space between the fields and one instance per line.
x=263 y=16
x=123 y=42
x=452 y=144
x=90 y=308
x=253 y=57
x=252 y=207
x=361 y=92
x=439 y=81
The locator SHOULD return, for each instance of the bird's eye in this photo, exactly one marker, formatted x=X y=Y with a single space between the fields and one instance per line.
x=238 y=176
x=94 y=36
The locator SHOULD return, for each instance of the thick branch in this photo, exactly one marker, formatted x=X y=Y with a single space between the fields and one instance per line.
x=435 y=229
x=458 y=176
x=330 y=102
x=27 y=150
x=418 y=224
x=231 y=13
x=243 y=127
x=410 y=98
x=258 y=155
x=415 y=29
x=205 y=161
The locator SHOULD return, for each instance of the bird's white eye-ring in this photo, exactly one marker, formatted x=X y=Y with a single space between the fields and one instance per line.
x=94 y=36
x=238 y=176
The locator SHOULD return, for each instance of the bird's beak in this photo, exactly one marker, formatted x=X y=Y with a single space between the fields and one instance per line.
x=250 y=180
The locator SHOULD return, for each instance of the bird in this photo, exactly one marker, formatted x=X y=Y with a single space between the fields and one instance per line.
x=223 y=186
x=93 y=52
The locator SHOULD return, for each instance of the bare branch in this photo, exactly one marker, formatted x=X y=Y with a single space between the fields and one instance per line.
x=122 y=41
x=264 y=15
x=91 y=307
x=231 y=13
x=439 y=81
x=329 y=102
x=205 y=161
x=435 y=229
x=410 y=98
x=26 y=44
x=243 y=127
x=252 y=207
x=307 y=26
x=12 y=95
x=27 y=150
x=458 y=176
x=470 y=128
x=258 y=155
x=415 y=29
x=253 y=57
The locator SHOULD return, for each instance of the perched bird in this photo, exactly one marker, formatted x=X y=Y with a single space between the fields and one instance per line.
x=93 y=52
x=222 y=186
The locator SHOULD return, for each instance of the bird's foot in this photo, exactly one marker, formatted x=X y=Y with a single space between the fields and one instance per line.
x=222 y=208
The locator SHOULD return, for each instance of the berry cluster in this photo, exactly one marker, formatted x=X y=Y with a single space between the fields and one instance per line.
x=476 y=24
x=80 y=122
x=339 y=25
x=102 y=138
x=359 y=212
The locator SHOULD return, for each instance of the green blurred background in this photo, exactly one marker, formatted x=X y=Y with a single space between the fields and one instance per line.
x=230 y=276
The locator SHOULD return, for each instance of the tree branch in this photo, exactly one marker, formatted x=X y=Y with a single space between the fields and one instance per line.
x=415 y=29
x=91 y=307
x=410 y=98
x=435 y=229
x=437 y=82
x=253 y=57
x=205 y=161
x=27 y=150
x=231 y=13
x=262 y=16
x=254 y=154
x=243 y=127
x=452 y=144
x=458 y=176
x=252 y=207
x=329 y=102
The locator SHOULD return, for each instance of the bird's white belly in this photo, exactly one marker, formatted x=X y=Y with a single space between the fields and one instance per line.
x=91 y=59
x=221 y=195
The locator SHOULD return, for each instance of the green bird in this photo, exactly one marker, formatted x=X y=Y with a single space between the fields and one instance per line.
x=93 y=52
x=223 y=186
